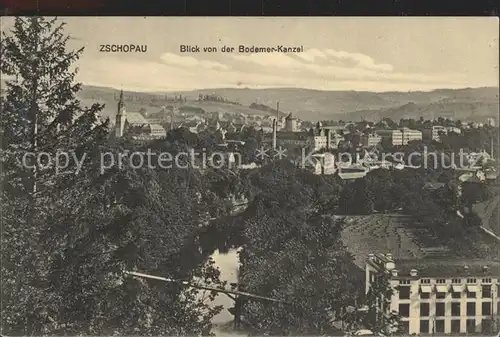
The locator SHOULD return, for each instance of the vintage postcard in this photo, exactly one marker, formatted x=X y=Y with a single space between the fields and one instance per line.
x=188 y=176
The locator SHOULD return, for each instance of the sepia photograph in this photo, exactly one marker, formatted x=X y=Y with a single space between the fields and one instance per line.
x=249 y=176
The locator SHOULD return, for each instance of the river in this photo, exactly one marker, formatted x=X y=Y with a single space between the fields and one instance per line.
x=228 y=265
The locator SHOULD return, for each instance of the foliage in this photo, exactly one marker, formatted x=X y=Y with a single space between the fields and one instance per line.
x=293 y=252
x=379 y=318
x=69 y=235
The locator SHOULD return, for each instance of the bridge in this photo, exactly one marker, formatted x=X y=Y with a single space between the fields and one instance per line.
x=235 y=295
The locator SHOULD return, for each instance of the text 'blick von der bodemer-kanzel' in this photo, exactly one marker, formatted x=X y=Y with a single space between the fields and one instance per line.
x=240 y=49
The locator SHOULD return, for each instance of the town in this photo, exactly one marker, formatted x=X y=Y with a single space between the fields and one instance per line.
x=380 y=221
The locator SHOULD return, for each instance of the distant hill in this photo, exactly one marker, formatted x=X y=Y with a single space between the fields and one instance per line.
x=153 y=102
x=463 y=109
x=311 y=104
x=319 y=105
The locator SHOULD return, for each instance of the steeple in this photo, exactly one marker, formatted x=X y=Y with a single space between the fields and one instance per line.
x=121 y=116
x=121 y=104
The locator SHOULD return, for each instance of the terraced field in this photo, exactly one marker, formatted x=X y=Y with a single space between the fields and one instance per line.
x=394 y=234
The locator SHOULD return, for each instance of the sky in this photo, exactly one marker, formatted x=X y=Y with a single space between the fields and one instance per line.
x=340 y=53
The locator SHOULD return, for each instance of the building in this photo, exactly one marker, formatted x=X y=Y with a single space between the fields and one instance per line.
x=399 y=136
x=291 y=123
x=392 y=137
x=490 y=121
x=351 y=172
x=440 y=295
x=410 y=135
x=135 y=124
x=433 y=132
x=453 y=129
x=322 y=163
x=313 y=140
x=369 y=140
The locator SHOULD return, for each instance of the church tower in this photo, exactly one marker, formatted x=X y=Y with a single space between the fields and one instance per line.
x=121 y=117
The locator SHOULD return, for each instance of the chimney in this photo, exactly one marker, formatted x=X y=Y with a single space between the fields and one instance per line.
x=275 y=126
x=485 y=269
x=371 y=257
x=413 y=272
x=388 y=256
x=491 y=150
x=394 y=272
x=277 y=111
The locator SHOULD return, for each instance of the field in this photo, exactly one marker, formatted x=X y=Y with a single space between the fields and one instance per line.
x=393 y=234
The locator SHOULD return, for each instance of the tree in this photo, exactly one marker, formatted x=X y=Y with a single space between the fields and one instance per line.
x=293 y=252
x=379 y=318
x=68 y=235
x=357 y=198
x=40 y=118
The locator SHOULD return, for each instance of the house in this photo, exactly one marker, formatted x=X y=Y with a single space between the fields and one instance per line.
x=321 y=163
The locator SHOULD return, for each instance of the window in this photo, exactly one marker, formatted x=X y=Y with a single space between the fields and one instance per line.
x=404 y=293
x=471 y=309
x=440 y=295
x=456 y=281
x=440 y=309
x=440 y=325
x=455 y=309
x=425 y=296
x=424 y=309
x=440 y=281
x=486 y=326
x=471 y=280
x=471 y=325
x=404 y=282
x=425 y=281
x=486 y=308
x=471 y=294
x=486 y=280
x=456 y=294
x=455 y=326
x=424 y=326
x=404 y=310
x=486 y=291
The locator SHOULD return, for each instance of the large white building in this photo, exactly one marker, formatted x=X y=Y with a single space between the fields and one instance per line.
x=440 y=296
x=400 y=136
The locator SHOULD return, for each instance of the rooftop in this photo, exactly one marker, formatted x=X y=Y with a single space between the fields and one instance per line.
x=135 y=118
x=437 y=266
x=292 y=135
x=448 y=267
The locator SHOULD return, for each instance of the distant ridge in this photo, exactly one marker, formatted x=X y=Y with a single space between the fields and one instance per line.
x=312 y=104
